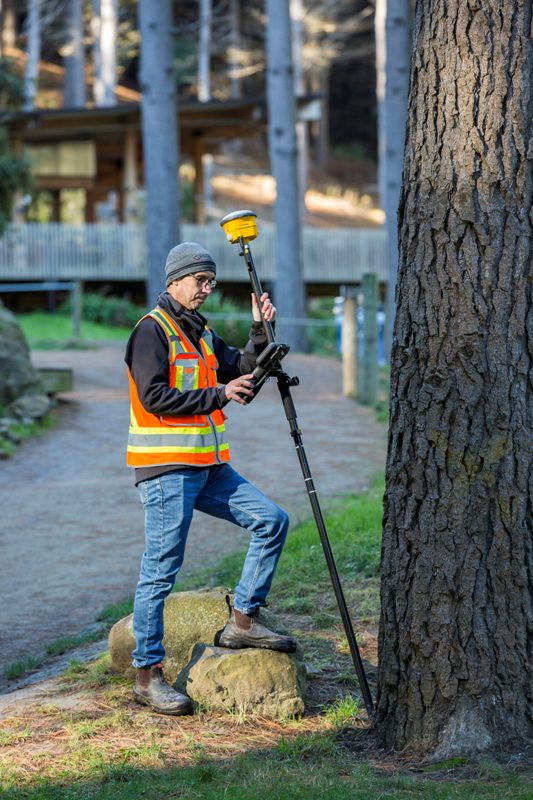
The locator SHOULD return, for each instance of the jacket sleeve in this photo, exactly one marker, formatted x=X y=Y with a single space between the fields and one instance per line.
x=231 y=361
x=147 y=359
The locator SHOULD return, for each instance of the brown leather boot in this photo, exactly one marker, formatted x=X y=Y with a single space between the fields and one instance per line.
x=151 y=689
x=245 y=630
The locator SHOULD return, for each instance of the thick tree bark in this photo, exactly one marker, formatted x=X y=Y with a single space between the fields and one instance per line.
x=456 y=633
x=290 y=288
x=74 y=53
x=160 y=138
x=393 y=50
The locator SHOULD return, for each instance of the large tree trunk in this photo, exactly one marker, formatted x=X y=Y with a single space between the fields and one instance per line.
x=160 y=138
x=31 y=72
x=74 y=53
x=104 y=30
x=290 y=289
x=456 y=633
x=393 y=49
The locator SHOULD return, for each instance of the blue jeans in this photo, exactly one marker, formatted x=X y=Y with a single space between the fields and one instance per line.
x=169 y=502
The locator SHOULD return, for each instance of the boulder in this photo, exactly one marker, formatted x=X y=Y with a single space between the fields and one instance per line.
x=30 y=407
x=264 y=682
x=18 y=376
x=270 y=683
x=190 y=617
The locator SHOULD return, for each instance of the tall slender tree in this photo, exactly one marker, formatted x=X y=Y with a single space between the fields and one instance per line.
x=33 y=53
x=393 y=52
x=74 y=54
x=235 y=48
x=298 y=37
x=204 y=51
x=104 y=31
x=160 y=137
x=7 y=25
x=456 y=632
x=290 y=288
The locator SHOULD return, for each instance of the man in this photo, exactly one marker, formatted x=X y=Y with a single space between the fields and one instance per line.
x=181 y=376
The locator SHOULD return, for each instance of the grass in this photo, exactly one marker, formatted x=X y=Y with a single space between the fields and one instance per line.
x=18 y=431
x=54 y=331
x=58 y=647
x=94 y=742
x=20 y=667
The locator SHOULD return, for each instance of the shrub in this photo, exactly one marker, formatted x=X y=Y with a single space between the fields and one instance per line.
x=117 y=312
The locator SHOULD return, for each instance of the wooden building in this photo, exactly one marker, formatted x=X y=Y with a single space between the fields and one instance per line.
x=98 y=151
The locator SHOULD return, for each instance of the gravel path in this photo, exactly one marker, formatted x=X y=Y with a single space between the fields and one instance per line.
x=71 y=529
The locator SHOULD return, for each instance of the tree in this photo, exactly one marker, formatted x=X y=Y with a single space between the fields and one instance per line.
x=8 y=25
x=234 y=53
x=297 y=37
x=204 y=51
x=74 y=55
x=14 y=169
x=393 y=49
x=160 y=137
x=455 y=641
x=104 y=30
x=290 y=289
x=31 y=73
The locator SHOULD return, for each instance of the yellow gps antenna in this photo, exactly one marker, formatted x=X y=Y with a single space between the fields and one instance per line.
x=241 y=227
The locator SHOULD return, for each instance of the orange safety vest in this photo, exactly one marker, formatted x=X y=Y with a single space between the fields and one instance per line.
x=197 y=439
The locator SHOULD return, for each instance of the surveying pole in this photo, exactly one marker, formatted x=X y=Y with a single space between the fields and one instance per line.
x=240 y=228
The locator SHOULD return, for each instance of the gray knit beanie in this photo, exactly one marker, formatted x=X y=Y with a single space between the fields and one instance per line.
x=186 y=258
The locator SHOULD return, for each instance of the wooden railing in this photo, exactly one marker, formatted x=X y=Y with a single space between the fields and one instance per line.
x=42 y=252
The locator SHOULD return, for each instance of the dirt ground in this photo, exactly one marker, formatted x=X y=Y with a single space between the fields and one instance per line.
x=71 y=530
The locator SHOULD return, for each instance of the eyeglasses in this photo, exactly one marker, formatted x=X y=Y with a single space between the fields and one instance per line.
x=203 y=282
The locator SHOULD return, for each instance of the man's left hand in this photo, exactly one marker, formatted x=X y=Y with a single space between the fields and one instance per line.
x=268 y=310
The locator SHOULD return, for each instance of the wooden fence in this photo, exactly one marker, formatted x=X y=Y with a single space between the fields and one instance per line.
x=94 y=252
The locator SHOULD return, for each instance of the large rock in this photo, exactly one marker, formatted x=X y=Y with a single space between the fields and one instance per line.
x=261 y=681
x=17 y=376
x=270 y=683
x=30 y=407
x=190 y=617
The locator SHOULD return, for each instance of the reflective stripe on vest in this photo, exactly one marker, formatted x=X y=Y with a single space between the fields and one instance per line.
x=196 y=439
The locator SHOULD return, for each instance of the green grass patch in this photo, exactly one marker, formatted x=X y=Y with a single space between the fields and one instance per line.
x=115 y=611
x=306 y=768
x=66 y=643
x=54 y=331
x=20 y=667
x=18 y=431
x=56 y=648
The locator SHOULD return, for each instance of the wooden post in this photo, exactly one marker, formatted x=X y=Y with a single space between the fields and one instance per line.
x=369 y=367
x=129 y=177
x=199 y=205
x=349 y=346
x=76 y=296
